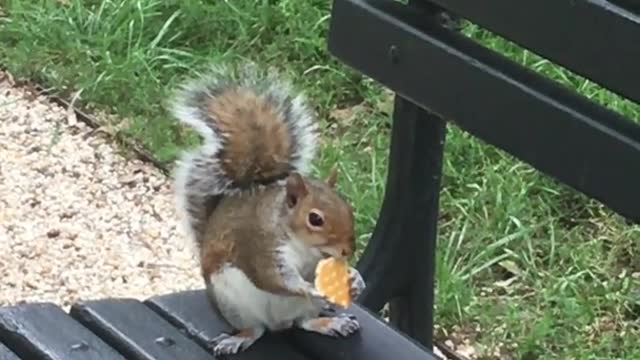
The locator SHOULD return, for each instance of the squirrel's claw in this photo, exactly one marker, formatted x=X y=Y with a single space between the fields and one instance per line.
x=340 y=325
x=322 y=300
x=343 y=325
x=226 y=344
x=356 y=283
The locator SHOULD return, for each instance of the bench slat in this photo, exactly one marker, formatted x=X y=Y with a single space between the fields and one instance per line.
x=591 y=37
x=6 y=354
x=376 y=340
x=136 y=331
x=45 y=331
x=191 y=311
x=557 y=131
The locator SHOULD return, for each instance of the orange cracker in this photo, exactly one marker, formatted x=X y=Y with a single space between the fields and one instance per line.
x=332 y=280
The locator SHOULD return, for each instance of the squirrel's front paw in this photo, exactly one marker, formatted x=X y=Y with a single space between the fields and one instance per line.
x=356 y=283
x=321 y=299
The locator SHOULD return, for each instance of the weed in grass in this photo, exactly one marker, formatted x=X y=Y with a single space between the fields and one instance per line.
x=525 y=265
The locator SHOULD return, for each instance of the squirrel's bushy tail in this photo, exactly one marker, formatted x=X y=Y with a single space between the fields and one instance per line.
x=255 y=131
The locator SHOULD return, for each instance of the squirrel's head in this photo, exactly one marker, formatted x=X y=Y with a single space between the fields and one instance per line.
x=319 y=216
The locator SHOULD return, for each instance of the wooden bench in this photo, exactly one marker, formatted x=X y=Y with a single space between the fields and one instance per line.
x=175 y=326
x=436 y=73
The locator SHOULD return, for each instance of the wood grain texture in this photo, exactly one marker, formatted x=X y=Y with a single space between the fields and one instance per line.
x=45 y=331
x=192 y=312
x=136 y=331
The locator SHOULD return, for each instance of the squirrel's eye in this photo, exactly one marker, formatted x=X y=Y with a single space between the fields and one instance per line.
x=315 y=219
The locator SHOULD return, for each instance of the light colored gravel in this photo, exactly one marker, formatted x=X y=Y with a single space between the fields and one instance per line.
x=77 y=219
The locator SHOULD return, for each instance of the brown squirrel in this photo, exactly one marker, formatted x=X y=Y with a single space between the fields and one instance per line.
x=260 y=222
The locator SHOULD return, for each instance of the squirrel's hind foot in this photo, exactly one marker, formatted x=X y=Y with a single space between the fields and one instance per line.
x=228 y=344
x=339 y=325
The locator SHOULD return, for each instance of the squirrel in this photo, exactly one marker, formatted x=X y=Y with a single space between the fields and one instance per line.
x=259 y=220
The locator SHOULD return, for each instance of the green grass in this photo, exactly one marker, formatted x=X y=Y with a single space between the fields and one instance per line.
x=525 y=265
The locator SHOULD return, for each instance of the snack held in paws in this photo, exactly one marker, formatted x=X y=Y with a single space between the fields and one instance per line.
x=332 y=280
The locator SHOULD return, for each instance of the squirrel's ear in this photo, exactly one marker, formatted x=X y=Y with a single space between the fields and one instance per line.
x=333 y=176
x=296 y=189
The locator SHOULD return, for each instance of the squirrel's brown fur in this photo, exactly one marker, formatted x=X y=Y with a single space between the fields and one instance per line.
x=260 y=221
x=257 y=141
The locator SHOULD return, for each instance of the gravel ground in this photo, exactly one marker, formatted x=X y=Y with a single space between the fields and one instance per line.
x=77 y=219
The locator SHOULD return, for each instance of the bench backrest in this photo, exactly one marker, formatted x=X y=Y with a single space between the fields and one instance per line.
x=558 y=131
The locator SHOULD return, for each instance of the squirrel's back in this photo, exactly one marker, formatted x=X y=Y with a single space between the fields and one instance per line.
x=255 y=131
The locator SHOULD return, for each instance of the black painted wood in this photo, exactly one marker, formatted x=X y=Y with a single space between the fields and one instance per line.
x=136 y=331
x=376 y=340
x=594 y=38
x=557 y=131
x=191 y=311
x=160 y=329
x=6 y=354
x=44 y=331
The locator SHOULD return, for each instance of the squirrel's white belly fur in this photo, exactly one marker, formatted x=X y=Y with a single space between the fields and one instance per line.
x=246 y=306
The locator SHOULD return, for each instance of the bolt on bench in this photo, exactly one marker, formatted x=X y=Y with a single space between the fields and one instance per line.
x=436 y=73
